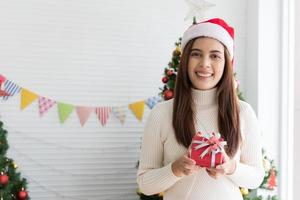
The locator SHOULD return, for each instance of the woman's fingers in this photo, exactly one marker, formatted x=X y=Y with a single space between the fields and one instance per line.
x=211 y=173
x=215 y=173
x=184 y=166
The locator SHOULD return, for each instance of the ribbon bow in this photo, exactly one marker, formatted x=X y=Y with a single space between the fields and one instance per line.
x=213 y=142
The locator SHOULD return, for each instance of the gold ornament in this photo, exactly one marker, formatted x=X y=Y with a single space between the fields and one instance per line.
x=15 y=165
x=244 y=191
x=178 y=49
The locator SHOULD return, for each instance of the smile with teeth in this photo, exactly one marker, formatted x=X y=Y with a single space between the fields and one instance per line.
x=205 y=75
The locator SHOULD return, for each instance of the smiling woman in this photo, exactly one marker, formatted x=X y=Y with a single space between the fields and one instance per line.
x=205 y=101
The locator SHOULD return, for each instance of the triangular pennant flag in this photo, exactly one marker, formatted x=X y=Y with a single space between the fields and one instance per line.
x=120 y=113
x=3 y=93
x=138 y=109
x=152 y=101
x=64 y=110
x=11 y=88
x=27 y=97
x=83 y=113
x=103 y=114
x=45 y=104
x=2 y=79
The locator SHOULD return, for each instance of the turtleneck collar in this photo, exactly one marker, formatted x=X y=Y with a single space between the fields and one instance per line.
x=204 y=97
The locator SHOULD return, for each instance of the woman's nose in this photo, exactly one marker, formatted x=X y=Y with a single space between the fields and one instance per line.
x=205 y=62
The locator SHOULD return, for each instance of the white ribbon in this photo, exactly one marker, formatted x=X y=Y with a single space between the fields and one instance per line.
x=202 y=143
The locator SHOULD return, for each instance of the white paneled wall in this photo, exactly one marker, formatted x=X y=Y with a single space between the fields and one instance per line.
x=92 y=53
x=297 y=101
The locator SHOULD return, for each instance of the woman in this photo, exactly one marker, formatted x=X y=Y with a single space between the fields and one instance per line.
x=205 y=100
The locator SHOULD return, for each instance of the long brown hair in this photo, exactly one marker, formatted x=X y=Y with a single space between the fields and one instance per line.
x=228 y=107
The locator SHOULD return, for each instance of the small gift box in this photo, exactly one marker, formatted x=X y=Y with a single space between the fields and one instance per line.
x=207 y=149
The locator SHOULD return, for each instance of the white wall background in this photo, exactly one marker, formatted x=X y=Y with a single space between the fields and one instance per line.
x=268 y=73
x=109 y=53
x=297 y=101
x=263 y=68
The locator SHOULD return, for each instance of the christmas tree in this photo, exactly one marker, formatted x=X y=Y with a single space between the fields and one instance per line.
x=267 y=189
x=12 y=186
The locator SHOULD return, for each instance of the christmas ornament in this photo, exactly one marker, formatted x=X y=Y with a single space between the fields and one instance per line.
x=170 y=72
x=15 y=165
x=3 y=179
x=197 y=9
x=168 y=94
x=244 y=191
x=22 y=194
x=272 y=183
x=165 y=79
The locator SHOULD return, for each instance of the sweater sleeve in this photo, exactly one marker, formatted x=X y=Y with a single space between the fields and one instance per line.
x=249 y=171
x=152 y=176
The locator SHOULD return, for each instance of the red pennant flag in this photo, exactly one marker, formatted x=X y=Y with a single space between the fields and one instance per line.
x=83 y=113
x=3 y=93
x=103 y=114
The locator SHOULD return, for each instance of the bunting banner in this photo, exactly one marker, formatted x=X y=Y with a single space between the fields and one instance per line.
x=27 y=97
x=64 y=110
x=11 y=89
x=2 y=79
x=2 y=92
x=120 y=113
x=138 y=109
x=152 y=101
x=8 y=89
x=103 y=114
x=84 y=113
x=45 y=104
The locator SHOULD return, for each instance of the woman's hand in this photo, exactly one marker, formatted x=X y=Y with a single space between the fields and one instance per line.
x=226 y=168
x=184 y=166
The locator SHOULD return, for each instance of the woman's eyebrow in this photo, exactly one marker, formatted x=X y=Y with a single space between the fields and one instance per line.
x=216 y=51
x=196 y=50
x=212 y=51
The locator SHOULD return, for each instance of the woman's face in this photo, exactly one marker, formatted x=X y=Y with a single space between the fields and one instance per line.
x=206 y=63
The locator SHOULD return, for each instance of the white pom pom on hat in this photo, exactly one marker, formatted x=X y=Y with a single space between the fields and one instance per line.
x=214 y=28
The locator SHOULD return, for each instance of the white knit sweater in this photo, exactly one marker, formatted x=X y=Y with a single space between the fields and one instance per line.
x=160 y=148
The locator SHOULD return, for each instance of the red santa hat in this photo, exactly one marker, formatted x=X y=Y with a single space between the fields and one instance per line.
x=214 y=28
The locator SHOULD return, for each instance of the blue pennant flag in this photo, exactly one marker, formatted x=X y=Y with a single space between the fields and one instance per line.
x=152 y=101
x=11 y=88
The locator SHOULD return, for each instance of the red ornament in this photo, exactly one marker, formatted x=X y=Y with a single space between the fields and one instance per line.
x=272 y=182
x=22 y=194
x=3 y=179
x=165 y=79
x=168 y=94
x=170 y=72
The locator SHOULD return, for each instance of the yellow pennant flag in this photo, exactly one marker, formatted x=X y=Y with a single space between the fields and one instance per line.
x=27 y=97
x=138 y=109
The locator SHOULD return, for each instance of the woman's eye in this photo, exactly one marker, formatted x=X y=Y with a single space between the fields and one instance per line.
x=214 y=56
x=195 y=54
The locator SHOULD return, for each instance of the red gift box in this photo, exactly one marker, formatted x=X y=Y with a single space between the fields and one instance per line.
x=207 y=149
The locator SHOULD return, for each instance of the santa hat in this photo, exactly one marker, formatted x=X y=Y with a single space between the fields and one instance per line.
x=214 y=28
